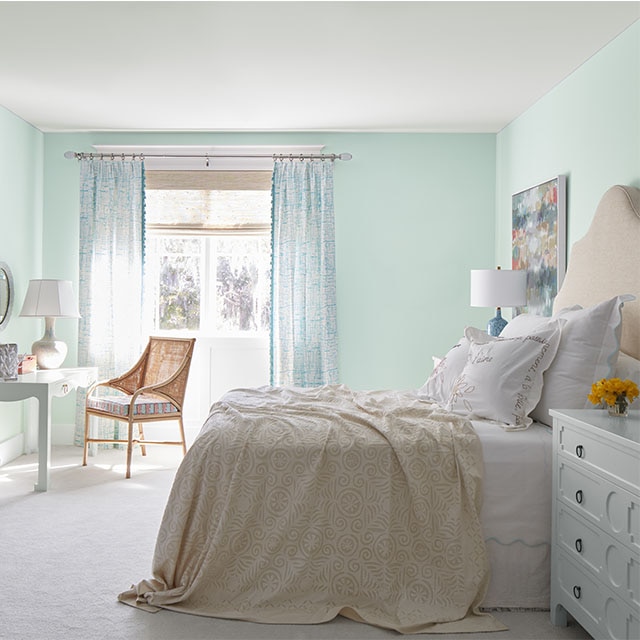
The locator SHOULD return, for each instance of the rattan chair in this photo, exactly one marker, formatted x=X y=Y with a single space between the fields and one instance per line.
x=153 y=391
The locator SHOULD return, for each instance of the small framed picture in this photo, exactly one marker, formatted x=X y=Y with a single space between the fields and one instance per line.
x=538 y=241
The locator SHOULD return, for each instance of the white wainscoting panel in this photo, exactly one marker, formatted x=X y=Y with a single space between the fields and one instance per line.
x=219 y=365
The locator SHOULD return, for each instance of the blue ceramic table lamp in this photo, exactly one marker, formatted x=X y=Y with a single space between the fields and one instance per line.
x=498 y=288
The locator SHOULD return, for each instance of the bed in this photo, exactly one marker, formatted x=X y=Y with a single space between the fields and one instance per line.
x=410 y=510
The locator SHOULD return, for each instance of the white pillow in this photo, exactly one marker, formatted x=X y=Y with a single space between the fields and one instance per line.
x=588 y=351
x=440 y=382
x=502 y=379
x=628 y=368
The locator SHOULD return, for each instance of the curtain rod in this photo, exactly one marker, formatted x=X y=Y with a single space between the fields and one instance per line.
x=75 y=155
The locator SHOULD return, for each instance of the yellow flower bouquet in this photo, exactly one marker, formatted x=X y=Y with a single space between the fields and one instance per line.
x=615 y=393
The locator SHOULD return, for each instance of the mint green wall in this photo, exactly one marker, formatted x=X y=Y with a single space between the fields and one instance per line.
x=414 y=215
x=588 y=128
x=21 y=166
x=414 y=212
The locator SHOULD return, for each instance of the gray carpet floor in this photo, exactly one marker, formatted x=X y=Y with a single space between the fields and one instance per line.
x=65 y=555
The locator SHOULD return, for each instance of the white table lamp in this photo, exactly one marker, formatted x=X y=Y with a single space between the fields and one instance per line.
x=50 y=299
x=498 y=288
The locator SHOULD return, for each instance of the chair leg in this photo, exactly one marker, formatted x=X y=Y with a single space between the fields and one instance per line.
x=129 y=449
x=86 y=435
x=143 y=448
x=184 y=442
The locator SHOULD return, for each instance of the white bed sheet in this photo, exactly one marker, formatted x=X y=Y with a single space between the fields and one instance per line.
x=516 y=514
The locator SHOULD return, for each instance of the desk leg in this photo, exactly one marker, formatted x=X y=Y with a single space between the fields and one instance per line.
x=44 y=441
x=32 y=411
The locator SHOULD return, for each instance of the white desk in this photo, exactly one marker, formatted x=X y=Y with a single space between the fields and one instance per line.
x=44 y=385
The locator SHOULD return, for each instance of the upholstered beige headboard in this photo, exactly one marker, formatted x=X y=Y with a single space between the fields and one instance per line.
x=606 y=262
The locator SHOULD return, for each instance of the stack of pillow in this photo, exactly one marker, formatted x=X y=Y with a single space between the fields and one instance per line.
x=536 y=364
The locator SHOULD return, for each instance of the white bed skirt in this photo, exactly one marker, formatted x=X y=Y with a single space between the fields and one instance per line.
x=516 y=514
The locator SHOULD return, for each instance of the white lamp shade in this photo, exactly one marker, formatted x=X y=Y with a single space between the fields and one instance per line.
x=498 y=288
x=50 y=299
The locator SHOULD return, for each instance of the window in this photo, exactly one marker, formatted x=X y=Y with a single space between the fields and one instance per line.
x=208 y=251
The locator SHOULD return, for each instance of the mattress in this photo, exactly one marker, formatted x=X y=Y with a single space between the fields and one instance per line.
x=516 y=514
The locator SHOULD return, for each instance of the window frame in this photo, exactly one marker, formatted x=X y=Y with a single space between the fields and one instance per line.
x=209 y=307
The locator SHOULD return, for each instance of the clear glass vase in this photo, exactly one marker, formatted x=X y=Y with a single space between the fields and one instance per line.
x=620 y=408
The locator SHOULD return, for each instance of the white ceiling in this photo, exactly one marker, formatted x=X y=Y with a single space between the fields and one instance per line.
x=313 y=66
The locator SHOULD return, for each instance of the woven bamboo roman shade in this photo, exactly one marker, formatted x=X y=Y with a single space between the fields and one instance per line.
x=209 y=180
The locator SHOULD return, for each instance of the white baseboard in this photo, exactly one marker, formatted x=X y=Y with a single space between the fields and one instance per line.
x=11 y=449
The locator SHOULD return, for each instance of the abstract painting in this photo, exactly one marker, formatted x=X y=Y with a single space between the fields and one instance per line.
x=538 y=241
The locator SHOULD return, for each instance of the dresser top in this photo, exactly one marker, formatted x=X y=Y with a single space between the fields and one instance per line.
x=627 y=428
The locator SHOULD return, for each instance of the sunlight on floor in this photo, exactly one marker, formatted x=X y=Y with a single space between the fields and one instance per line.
x=31 y=467
x=105 y=466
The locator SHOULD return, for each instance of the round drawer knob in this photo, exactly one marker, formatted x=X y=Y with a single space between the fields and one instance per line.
x=580 y=451
x=579 y=496
x=579 y=545
x=577 y=592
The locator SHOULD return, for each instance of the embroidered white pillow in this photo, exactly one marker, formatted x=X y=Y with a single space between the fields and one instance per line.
x=440 y=383
x=588 y=352
x=502 y=379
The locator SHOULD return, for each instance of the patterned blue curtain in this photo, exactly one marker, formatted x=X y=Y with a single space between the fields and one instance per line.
x=304 y=342
x=111 y=266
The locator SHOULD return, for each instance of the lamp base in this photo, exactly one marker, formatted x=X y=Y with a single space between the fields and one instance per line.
x=49 y=351
x=497 y=324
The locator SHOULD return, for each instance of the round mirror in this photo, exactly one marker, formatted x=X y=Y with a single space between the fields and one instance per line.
x=6 y=294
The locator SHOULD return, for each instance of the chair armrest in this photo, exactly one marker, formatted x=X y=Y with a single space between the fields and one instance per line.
x=105 y=383
x=152 y=389
x=95 y=385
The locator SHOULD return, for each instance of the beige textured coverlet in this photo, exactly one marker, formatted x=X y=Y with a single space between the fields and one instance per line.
x=294 y=506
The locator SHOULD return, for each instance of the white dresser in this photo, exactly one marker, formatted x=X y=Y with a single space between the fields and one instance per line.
x=595 y=558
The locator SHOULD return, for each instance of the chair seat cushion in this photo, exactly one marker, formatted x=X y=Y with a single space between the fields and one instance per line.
x=119 y=405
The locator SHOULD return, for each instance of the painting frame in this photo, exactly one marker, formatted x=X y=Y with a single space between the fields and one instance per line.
x=538 y=241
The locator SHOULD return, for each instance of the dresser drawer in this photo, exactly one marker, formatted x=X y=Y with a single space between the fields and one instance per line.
x=582 y=593
x=613 y=509
x=595 y=453
x=596 y=608
x=610 y=561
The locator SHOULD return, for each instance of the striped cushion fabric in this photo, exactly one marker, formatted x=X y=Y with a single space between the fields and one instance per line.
x=119 y=405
